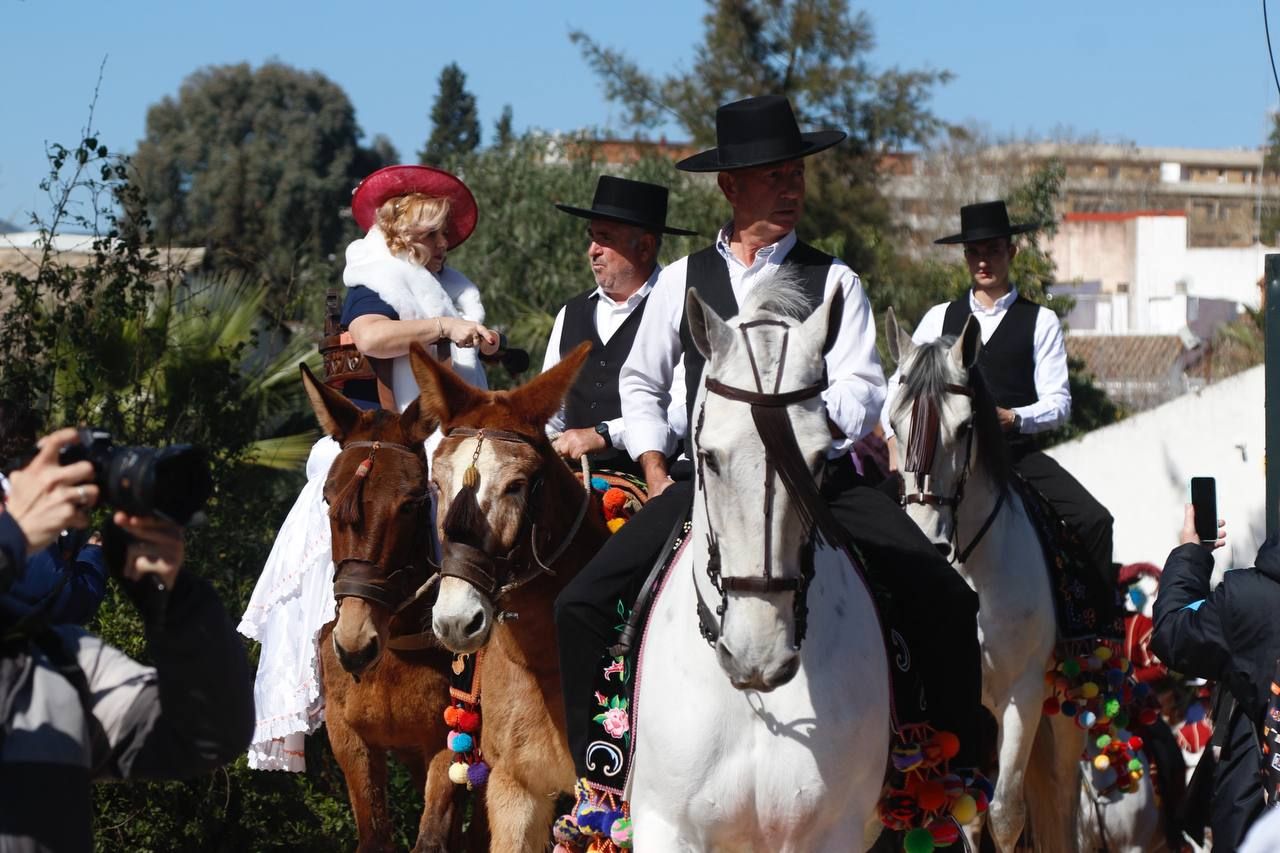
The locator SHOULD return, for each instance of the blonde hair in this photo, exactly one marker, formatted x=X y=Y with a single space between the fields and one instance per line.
x=403 y=217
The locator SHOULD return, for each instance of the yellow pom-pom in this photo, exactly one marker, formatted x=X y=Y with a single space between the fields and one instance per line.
x=964 y=809
x=1102 y=653
x=458 y=773
x=1089 y=690
x=615 y=524
x=1102 y=763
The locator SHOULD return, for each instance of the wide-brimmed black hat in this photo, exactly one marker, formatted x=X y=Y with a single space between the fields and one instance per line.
x=757 y=132
x=629 y=202
x=986 y=221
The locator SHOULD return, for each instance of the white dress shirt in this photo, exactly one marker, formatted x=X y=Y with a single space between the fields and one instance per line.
x=855 y=389
x=609 y=317
x=1050 y=353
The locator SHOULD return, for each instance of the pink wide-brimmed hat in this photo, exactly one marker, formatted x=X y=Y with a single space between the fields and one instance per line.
x=392 y=181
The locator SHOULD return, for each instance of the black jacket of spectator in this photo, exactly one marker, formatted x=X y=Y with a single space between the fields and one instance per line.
x=1230 y=635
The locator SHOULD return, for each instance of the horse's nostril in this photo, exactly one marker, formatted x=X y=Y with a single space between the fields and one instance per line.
x=476 y=623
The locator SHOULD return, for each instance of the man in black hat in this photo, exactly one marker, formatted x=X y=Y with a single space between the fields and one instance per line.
x=1024 y=363
x=626 y=222
x=760 y=161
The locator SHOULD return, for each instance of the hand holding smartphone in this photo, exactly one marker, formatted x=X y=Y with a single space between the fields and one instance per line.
x=1204 y=503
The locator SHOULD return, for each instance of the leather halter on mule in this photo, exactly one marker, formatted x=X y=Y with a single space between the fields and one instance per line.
x=400 y=588
x=497 y=577
x=784 y=459
x=922 y=448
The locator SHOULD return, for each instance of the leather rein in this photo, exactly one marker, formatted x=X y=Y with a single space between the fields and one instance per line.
x=922 y=447
x=783 y=461
x=499 y=576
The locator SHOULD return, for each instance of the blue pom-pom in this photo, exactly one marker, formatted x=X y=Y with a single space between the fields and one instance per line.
x=983 y=784
x=460 y=741
x=1115 y=677
x=1195 y=713
x=1068 y=709
x=599 y=484
x=1141 y=689
x=593 y=821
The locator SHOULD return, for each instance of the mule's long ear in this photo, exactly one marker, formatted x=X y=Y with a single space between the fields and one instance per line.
x=417 y=422
x=968 y=346
x=708 y=330
x=541 y=397
x=900 y=344
x=442 y=394
x=824 y=323
x=337 y=415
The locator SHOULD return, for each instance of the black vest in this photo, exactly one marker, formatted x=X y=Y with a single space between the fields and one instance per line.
x=594 y=395
x=1008 y=358
x=709 y=273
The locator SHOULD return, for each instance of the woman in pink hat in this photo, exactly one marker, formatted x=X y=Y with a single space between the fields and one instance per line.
x=399 y=291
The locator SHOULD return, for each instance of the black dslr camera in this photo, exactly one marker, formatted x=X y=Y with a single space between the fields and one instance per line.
x=172 y=483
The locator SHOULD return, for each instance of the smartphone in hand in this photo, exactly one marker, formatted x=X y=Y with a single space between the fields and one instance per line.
x=1204 y=499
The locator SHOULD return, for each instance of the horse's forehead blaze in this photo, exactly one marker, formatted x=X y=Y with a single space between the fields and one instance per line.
x=496 y=457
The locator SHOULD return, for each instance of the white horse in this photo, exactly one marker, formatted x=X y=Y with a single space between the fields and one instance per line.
x=759 y=740
x=999 y=555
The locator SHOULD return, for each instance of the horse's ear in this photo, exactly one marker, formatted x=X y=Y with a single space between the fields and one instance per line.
x=968 y=346
x=442 y=394
x=338 y=416
x=417 y=422
x=708 y=330
x=540 y=398
x=825 y=322
x=900 y=344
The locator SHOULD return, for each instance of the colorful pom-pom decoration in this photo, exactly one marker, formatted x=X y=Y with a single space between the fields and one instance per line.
x=477 y=774
x=1103 y=741
x=944 y=832
x=451 y=716
x=565 y=830
x=1068 y=709
x=620 y=832
x=1102 y=653
x=919 y=840
x=1102 y=762
x=467 y=721
x=948 y=743
x=964 y=809
x=600 y=484
x=1089 y=690
x=1135 y=743
x=615 y=524
x=459 y=741
x=458 y=772
x=1051 y=706
x=1070 y=668
x=931 y=796
x=614 y=502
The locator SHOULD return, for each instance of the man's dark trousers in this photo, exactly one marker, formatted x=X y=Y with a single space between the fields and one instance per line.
x=1079 y=509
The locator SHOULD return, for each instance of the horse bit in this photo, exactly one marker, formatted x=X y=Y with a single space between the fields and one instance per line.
x=784 y=459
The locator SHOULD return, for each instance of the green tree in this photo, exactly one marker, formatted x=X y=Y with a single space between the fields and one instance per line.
x=503 y=132
x=455 y=123
x=255 y=165
x=816 y=52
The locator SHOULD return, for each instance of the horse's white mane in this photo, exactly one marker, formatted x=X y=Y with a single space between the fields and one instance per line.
x=781 y=293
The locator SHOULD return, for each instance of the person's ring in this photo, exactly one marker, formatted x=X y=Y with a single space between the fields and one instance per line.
x=82 y=496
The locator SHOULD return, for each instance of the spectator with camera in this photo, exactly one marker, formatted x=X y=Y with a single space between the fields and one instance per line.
x=1229 y=635
x=73 y=709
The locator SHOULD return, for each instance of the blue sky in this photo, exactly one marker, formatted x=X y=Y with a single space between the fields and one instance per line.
x=1178 y=72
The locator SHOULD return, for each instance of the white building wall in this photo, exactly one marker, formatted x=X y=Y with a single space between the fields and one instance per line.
x=1141 y=468
x=1160 y=249
x=1227 y=273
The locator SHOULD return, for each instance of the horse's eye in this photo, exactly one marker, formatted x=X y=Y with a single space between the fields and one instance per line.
x=515 y=487
x=709 y=460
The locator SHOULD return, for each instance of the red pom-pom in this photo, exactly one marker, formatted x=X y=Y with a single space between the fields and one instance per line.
x=614 y=501
x=451 y=716
x=980 y=798
x=944 y=832
x=1148 y=716
x=468 y=721
x=931 y=795
x=948 y=743
x=1135 y=743
x=1051 y=706
x=914 y=781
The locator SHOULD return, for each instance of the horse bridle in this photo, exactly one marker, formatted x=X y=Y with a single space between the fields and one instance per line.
x=922 y=449
x=497 y=577
x=357 y=577
x=784 y=460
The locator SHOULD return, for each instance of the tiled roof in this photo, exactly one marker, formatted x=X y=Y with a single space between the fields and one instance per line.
x=1128 y=358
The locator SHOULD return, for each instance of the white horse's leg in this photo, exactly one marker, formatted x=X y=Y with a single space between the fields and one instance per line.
x=1018 y=724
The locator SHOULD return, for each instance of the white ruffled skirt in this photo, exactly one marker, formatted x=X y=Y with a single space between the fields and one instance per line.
x=291 y=603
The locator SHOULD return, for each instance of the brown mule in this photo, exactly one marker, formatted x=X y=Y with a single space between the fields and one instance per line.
x=516 y=525
x=379 y=700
